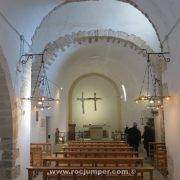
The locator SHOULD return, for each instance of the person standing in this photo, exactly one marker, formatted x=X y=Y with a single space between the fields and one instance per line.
x=57 y=136
x=148 y=136
x=134 y=137
x=126 y=131
x=113 y=136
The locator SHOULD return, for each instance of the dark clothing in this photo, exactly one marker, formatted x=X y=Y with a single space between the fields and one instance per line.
x=126 y=130
x=148 y=136
x=57 y=137
x=134 y=137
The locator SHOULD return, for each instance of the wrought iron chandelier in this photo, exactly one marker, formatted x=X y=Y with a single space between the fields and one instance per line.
x=150 y=92
x=41 y=94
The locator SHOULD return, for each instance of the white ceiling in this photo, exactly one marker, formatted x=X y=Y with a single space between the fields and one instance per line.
x=26 y=15
x=88 y=15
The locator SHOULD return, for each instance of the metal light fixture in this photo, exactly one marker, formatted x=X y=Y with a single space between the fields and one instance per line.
x=151 y=93
x=41 y=93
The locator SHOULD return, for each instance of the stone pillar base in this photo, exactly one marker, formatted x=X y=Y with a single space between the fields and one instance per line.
x=9 y=173
x=9 y=153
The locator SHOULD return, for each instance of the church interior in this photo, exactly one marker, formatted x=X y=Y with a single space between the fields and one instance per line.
x=89 y=89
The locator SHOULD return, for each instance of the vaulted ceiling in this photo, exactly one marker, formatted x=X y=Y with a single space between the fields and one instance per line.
x=26 y=15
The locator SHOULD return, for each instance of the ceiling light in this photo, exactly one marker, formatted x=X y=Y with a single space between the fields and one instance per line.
x=151 y=91
x=57 y=101
x=40 y=102
x=41 y=93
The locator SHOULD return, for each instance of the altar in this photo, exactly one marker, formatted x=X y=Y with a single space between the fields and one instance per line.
x=96 y=132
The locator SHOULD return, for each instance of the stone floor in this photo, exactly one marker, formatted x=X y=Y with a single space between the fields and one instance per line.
x=157 y=174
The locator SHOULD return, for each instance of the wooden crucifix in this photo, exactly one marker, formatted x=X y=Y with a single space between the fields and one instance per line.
x=82 y=99
x=95 y=99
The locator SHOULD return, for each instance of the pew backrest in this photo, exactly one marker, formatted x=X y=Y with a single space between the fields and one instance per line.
x=36 y=156
x=94 y=162
x=96 y=148
x=45 y=147
x=95 y=154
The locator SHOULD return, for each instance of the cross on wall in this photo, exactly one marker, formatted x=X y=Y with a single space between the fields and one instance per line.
x=95 y=99
x=83 y=99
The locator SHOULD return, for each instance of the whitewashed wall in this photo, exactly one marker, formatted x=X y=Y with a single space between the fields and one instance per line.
x=172 y=108
x=38 y=124
x=10 y=44
x=108 y=108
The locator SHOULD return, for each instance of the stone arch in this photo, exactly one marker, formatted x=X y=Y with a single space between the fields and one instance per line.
x=8 y=121
x=91 y=36
x=131 y=2
x=77 y=80
x=84 y=37
x=6 y=95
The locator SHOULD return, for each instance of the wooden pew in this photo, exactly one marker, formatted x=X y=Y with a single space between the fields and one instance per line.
x=158 y=154
x=36 y=156
x=95 y=154
x=91 y=141
x=104 y=141
x=93 y=162
x=97 y=142
x=38 y=151
x=136 y=174
x=96 y=148
x=160 y=158
x=153 y=148
x=98 y=145
x=45 y=147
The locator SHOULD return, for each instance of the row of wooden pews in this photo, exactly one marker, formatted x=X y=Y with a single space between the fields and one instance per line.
x=158 y=155
x=101 y=156
x=38 y=151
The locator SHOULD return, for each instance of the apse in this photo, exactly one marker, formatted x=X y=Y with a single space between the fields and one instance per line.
x=95 y=99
